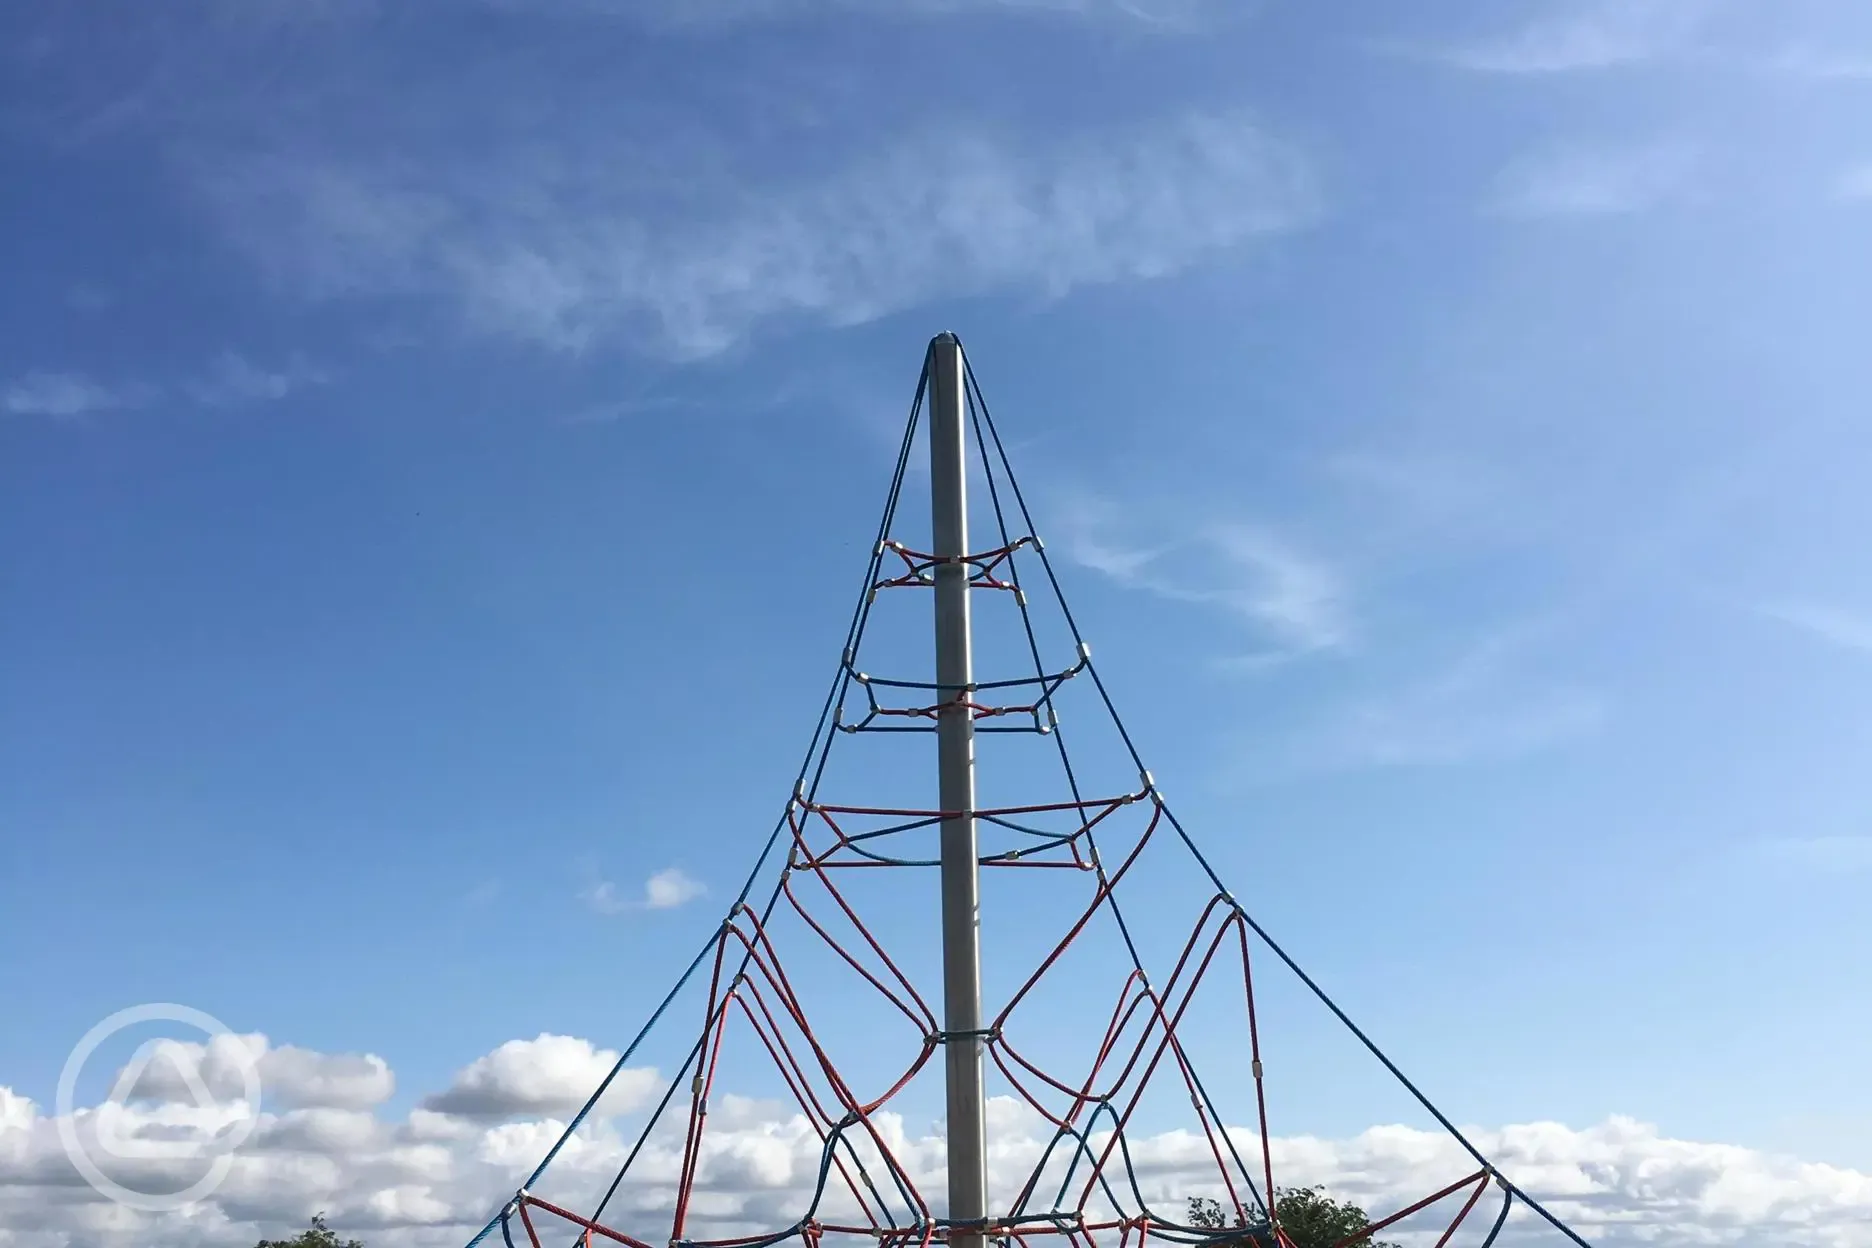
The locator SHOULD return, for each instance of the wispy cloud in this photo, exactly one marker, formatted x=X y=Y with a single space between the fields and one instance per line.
x=1829 y=854
x=230 y=380
x=1855 y=184
x=1416 y=488
x=567 y=254
x=88 y=297
x=482 y=894
x=1821 y=64
x=1852 y=630
x=711 y=12
x=1435 y=727
x=1573 y=36
x=1297 y=602
x=233 y=379
x=1589 y=181
x=64 y=396
x=665 y=890
x=1295 y=595
x=1479 y=707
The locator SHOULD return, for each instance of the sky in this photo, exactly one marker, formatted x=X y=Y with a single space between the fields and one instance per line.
x=440 y=442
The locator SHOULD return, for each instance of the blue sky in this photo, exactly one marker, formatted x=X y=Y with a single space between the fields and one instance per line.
x=438 y=443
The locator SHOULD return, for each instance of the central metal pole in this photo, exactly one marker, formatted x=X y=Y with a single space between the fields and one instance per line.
x=955 y=760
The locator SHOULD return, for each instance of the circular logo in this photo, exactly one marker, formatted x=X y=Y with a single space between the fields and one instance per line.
x=115 y=1136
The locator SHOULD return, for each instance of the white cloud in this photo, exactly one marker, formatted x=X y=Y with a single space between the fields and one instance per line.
x=60 y=395
x=1573 y=35
x=664 y=890
x=667 y=889
x=1298 y=602
x=288 y=1075
x=1587 y=181
x=429 y=1179
x=1294 y=595
x=304 y=1078
x=603 y=897
x=567 y=253
x=233 y=379
x=546 y=1075
x=230 y=380
x=1848 y=629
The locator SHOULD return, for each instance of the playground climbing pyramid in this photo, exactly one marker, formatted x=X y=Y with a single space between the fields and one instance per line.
x=842 y=1062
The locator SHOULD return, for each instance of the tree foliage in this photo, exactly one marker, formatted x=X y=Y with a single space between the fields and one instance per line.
x=1307 y=1215
x=318 y=1235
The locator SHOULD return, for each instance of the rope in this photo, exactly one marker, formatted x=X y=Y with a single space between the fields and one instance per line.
x=749 y=986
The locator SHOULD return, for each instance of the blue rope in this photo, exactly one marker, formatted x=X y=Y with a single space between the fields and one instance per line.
x=1501 y=1219
x=643 y=1136
x=578 y=1119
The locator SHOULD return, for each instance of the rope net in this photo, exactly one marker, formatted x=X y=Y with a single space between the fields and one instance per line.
x=808 y=991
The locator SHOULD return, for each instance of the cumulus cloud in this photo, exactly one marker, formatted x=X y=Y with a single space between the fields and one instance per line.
x=665 y=890
x=430 y=1178
x=546 y=1075
x=176 y=1071
x=339 y=1081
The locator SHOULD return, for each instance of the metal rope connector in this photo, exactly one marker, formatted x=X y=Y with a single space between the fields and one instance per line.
x=990 y=1034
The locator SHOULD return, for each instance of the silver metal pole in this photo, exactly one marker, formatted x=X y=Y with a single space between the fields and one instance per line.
x=955 y=760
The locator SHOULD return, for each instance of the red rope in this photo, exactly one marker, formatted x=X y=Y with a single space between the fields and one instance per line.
x=527 y=1222
x=1142 y=1030
x=923 y=1017
x=1481 y=1186
x=1254 y=1053
x=590 y=1227
x=1405 y=1212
